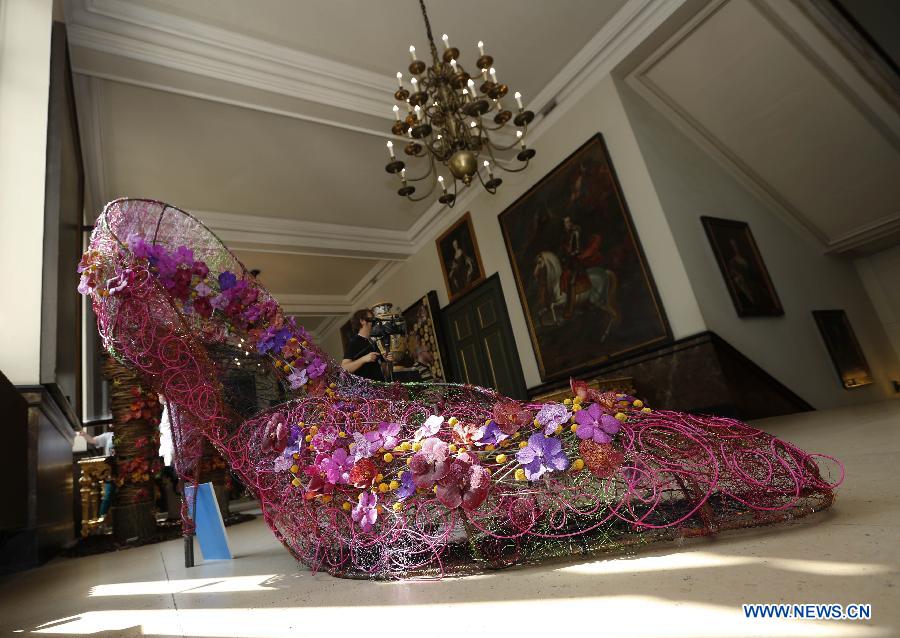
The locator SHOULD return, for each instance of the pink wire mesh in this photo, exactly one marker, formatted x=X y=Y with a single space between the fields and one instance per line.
x=343 y=467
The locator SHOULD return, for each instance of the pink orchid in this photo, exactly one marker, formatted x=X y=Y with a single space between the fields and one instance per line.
x=466 y=484
x=431 y=463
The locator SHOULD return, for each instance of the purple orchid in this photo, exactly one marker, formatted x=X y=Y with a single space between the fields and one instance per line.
x=298 y=379
x=431 y=427
x=542 y=454
x=407 y=486
x=551 y=416
x=337 y=466
x=227 y=280
x=282 y=463
x=594 y=424
x=431 y=463
x=365 y=513
x=316 y=368
x=492 y=434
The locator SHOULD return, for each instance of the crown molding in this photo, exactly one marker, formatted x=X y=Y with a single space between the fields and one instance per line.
x=271 y=234
x=867 y=237
x=144 y=34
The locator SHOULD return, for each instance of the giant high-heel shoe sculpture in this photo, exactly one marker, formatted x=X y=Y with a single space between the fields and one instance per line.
x=367 y=479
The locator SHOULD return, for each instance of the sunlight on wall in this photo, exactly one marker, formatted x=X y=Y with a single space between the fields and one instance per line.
x=699 y=560
x=609 y=615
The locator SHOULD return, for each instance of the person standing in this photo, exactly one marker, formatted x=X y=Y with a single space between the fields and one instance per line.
x=360 y=355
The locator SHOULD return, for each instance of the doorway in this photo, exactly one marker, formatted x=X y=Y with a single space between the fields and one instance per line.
x=482 y=348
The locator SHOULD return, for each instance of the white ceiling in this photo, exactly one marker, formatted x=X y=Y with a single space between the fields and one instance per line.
x=765 y=91
x=268 y=119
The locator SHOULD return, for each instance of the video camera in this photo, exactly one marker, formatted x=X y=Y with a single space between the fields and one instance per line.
x=389 y=329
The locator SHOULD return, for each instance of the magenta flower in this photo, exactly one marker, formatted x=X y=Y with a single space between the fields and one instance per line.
x=466 y=484
x=431 y=463
x=542 y=454
x=389 y=433
x=593 y=424
x=551 y=416
x=337 y=466
x=366 y=511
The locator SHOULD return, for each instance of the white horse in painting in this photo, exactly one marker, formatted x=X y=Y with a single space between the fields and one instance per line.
x=599 y=291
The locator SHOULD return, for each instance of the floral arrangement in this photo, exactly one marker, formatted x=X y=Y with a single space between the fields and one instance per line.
x=362 y=478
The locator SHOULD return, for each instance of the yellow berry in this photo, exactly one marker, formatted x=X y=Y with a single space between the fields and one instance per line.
x=380 y=509
x=295 y=482
x=416 y=446
x=452 y=448
x=452 y=421
x=409 y=460
x=351 y=446
x=501 y=458
x=576 y=407
x=406 y=446
x=295 y=468
x=574 y=427
x=620 y=416
x=314 y=430
x=300 y=424
x=398 y=448
x=342 y=434
x=537 y=423
x=380 y=477
x=578 y=465
x=400 y=475
x=638 y=403
x=388 y=457
x=487 y=421
x=296 y=455
x=567 y=402
x=307 y=438
x=558 y=429
x=646 y=410
x=576 y=399
x=398 y=507
x=489 y=447
x=520 y=474
x=332 y=385
x=346 y=506
x=523 y=444
x=393 y=485
x=383 y=487
x=326 y=498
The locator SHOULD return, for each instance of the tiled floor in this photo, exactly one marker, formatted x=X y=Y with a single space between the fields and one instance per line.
x=849 y=554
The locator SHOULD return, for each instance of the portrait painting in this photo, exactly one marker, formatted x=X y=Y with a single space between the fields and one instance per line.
x=460 y=260
x=845 y=351
x=581 y=274
x=742 y=267
x=425 y=351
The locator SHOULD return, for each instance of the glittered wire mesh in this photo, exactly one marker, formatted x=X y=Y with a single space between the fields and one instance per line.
x=367 y=479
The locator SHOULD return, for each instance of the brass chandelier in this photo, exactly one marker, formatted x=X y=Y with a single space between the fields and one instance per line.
x=448 y=121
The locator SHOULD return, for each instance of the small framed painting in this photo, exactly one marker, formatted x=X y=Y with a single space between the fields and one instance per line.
x=845 y=351
x=425 y=349
x=460 y=260
x=742 y=267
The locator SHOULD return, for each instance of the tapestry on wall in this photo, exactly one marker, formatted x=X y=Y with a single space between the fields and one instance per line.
x=425 y=350
x=581 y=273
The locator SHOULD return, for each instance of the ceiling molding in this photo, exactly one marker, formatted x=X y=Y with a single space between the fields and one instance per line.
x=139 y=33
x=871 y=234
x=269 y=234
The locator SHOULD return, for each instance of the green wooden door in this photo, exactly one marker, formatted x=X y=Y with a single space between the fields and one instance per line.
x=482 y=347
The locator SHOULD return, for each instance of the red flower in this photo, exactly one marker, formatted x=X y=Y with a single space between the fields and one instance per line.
x=363 y=473
x=431 y=463
x=581 y=390
x=510 y=416
x=602 y=459
x=466 y=484
x=203 y=307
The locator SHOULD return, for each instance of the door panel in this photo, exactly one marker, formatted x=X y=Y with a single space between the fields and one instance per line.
x=482 y=346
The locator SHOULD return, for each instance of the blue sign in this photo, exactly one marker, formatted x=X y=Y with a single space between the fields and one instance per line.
x=210 y=527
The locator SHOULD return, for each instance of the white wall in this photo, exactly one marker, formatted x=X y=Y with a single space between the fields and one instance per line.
x=880 y=274
x=691 y=184
x=594 y=108
x=25 y=27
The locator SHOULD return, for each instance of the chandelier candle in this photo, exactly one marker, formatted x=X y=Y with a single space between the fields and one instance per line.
x=446 y=123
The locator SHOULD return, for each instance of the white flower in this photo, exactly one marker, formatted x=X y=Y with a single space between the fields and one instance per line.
x=430 y=427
